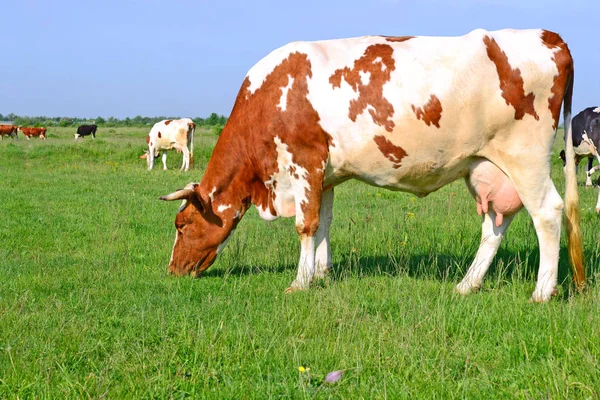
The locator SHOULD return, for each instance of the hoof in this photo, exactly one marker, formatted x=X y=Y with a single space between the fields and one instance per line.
x=542 y=298
x=293 y=289
x=322 y=274
x=465 y=289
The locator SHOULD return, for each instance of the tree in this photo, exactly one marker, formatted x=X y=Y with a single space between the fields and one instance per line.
x=212 y=120
x=100 y=121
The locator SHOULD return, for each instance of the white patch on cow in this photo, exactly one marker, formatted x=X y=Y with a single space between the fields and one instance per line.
x=291 y=188
x=211 y=195
x=284 y=92
x=265 y=213
x=596 y=110
x=173 y=250
x=365 y=77
x=378 y=60
x=224 y=243
x=223 y=207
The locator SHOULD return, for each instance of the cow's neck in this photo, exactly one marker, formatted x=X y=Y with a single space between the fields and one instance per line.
x=229 y=172
x=233 y=172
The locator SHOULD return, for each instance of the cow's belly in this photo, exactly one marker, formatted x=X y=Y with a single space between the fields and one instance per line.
x=583 y=149
x=165 y=143
x=418 y=175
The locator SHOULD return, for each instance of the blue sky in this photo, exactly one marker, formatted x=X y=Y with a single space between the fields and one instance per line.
x=188 y=58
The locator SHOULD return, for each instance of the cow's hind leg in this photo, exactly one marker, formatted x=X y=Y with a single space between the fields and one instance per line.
x=589 y=171
x=544 y=204
x=164 y=160
x=323 y=254
x=491 y=237
x=185 y=165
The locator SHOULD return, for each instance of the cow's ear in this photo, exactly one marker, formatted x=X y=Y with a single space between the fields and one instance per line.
x=201 y=200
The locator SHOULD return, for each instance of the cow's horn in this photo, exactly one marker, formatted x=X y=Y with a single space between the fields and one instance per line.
x=181 y=194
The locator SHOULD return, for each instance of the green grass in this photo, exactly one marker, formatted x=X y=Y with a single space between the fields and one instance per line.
x=87 y=308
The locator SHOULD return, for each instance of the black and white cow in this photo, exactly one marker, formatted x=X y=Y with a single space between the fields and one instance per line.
x=587 y=122
x=85 y=130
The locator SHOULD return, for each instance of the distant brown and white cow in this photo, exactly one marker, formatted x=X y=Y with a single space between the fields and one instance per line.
x=8 y=130
x=404 y=113
x=169 y=134
x=33 y=132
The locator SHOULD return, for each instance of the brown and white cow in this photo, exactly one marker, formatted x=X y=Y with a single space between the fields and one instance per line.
x=8 y=130
x=404 y=113
x=169 y=134
x=33 y=132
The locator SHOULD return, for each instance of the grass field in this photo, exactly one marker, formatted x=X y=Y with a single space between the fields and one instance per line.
x=87 y=309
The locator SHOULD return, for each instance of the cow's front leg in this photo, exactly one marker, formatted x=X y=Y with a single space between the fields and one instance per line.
x=308 y=205
x=323 y=254
x=164 y=160
x=306 y=266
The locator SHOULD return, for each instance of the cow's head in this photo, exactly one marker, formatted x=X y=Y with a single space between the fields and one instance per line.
x=203 y=227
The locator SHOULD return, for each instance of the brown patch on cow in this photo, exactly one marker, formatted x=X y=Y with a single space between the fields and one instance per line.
x=564 y=64
x=148 y=139
x=293 y=173
x=379 y=63
x=392 y=152
x=159 y=136
x=397 y=39
x=511 y=81
x=167 y=122
x=431 y=112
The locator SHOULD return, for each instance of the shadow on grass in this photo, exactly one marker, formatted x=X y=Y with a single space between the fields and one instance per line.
x=507 y=266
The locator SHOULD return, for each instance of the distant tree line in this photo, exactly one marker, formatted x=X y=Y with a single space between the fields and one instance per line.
x=214 y=121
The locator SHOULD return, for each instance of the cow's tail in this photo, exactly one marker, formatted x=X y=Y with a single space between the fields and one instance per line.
x=572 y=195
x=193 y=126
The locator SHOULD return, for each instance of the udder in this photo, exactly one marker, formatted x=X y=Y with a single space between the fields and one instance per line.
x=492 y=189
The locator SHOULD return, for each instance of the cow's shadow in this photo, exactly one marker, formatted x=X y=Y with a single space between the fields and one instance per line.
x=507 y=266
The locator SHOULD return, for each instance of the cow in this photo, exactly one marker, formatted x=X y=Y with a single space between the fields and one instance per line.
x=33 y=132
x=8 y=130
x=85 y=130
x=169 y=134
x=587 y=122
x=404 y=113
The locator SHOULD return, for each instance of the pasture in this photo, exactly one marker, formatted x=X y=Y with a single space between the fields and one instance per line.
x=87 y=309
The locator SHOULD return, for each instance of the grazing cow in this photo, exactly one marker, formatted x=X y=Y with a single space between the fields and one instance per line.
x=8 y=130
x=33 y=132
x=85 y=130
x=404 y=113
x=169 y=134
x=586 y=122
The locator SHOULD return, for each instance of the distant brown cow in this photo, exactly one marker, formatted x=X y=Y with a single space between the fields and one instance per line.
x=29 y=132
x=8 y=130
